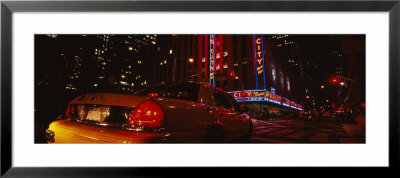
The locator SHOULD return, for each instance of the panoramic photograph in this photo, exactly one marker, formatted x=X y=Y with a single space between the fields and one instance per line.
x=199 y=88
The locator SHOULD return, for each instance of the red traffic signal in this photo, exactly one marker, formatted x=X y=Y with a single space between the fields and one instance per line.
x=334 y=80
x=231 y=74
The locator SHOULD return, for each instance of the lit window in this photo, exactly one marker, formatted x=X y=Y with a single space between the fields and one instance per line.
x=225 y=54
x=124 y=83
x=170 y=51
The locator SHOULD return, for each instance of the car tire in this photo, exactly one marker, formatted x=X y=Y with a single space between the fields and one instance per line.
x=215 y=134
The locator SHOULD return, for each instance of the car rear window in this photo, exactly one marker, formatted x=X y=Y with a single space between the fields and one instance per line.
x=110 y=115
x=182 y=91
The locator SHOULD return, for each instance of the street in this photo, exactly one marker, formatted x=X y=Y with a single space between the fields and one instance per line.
x=298 y=131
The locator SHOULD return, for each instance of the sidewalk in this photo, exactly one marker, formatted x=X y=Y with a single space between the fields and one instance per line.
x=354 y=134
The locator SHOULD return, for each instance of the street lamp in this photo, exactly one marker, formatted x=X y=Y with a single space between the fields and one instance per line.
x=191 y=60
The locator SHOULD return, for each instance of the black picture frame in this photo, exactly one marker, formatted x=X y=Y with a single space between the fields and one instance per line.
x=8 y=7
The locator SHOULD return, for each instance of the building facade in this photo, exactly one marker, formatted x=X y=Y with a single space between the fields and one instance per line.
x=267 y=63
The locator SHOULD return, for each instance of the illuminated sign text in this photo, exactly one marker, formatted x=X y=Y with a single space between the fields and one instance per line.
x=259 y=66
x=264 y=96
x=212 y=60
x=259 y=56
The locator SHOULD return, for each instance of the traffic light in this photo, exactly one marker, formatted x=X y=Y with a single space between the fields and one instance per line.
x=231 y=74
x=334 y=80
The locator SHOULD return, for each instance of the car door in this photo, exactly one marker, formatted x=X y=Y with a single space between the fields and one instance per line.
x=226 y=114
x=242 y=120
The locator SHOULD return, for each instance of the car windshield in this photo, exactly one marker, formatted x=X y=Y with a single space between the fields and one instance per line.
x=182 y=91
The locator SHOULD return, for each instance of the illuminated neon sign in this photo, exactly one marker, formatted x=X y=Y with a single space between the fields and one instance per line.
x=264 y=96
x=286 y=102
x=272 y=89
x=259 y=67
x=259 y=58
x=212 y=59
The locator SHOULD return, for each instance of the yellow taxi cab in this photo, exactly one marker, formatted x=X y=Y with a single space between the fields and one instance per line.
x=183 y=112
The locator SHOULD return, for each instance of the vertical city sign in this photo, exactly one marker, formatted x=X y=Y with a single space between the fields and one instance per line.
x=218 y=45
x=259 y=67
x=212 y=59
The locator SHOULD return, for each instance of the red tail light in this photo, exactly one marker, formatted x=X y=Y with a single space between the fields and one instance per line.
x=147 y=114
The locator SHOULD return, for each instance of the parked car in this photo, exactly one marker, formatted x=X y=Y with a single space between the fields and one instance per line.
x=168 y=113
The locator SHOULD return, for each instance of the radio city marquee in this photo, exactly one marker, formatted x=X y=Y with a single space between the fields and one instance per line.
x=264 y=96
